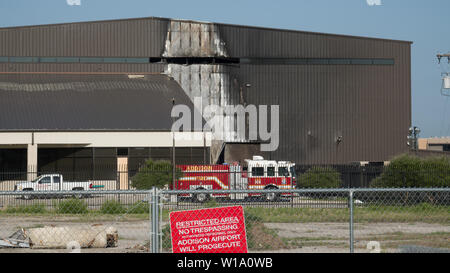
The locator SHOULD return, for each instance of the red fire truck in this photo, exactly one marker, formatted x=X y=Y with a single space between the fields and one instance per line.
x=255 y=174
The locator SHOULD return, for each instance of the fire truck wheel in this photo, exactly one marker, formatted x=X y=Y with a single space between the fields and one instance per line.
x=201 y=197
x=271 y=196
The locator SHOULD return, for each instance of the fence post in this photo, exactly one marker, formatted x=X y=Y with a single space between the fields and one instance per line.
x=150 y=216
x=350 y=201
x=155 y=220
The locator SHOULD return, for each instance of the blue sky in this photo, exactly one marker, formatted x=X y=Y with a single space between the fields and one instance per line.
x=426 y=23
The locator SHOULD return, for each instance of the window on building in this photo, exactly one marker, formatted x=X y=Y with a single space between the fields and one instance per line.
x=114 y=60
x=161 y=153
x=340 y=61
x=47 y=60
x=446 y=147
x=362 y=61
x=384 y=61
x=138 y=60
x=20 y=59
x=318 y=61
x=67 y=60
x=91 y=60
x=122 y=151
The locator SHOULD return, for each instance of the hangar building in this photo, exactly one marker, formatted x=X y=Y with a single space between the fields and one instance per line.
x=75 y=94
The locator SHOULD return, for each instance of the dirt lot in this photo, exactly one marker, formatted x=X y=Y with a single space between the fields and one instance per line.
x=301 y=237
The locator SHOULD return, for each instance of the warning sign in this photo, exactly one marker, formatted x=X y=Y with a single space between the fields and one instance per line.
x=216 y=230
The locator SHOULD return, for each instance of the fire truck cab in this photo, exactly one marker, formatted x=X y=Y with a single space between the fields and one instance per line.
x=270 y=174
x=255 y=174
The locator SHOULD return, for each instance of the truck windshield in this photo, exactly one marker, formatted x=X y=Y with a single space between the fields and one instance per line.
x=283 y=171
x=35 y=180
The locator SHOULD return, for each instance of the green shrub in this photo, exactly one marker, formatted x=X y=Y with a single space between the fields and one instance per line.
x=413 y=172
x=319 y=177
x=35 y=208
x=154 y=174
x=251 y=215
x=139 y=207
x=71 y=206
x=112 y=207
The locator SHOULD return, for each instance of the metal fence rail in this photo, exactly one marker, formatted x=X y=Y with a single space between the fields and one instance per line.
x=306 y=220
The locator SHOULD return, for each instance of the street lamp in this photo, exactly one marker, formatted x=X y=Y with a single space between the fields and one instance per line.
x=173 y=150
x=412 y=138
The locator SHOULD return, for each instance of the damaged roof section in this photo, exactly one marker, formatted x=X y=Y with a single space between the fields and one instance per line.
x=195 y=39
x=88 y=102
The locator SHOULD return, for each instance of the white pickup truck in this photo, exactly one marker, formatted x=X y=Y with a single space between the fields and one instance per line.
x=51 y=182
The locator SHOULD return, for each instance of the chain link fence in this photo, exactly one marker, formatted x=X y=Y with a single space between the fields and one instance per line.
x=306 y=220
x=329 y=220
x=94 y=221
x=402 y=220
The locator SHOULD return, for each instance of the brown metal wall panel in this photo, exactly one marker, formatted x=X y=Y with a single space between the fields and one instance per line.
x=365 y=104
x=127 y=38
x=257 y=42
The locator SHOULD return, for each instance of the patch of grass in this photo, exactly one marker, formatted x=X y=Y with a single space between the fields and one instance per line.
x=212 y=203
x=139 y=207
x=71 y=206
x=27 y=209
x=298 y=215
x=112 y=207
x=297 y=242
x=424 y=213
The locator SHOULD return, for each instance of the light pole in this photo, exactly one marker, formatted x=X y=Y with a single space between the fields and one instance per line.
x=173 y=150
x=412 y=138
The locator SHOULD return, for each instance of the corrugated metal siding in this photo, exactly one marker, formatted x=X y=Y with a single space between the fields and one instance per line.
x=257 y=42
x=368 y=105
x=87 y=102
x=122 y=38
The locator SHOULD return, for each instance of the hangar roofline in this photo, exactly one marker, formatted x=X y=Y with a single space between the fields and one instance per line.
x=215 y=23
